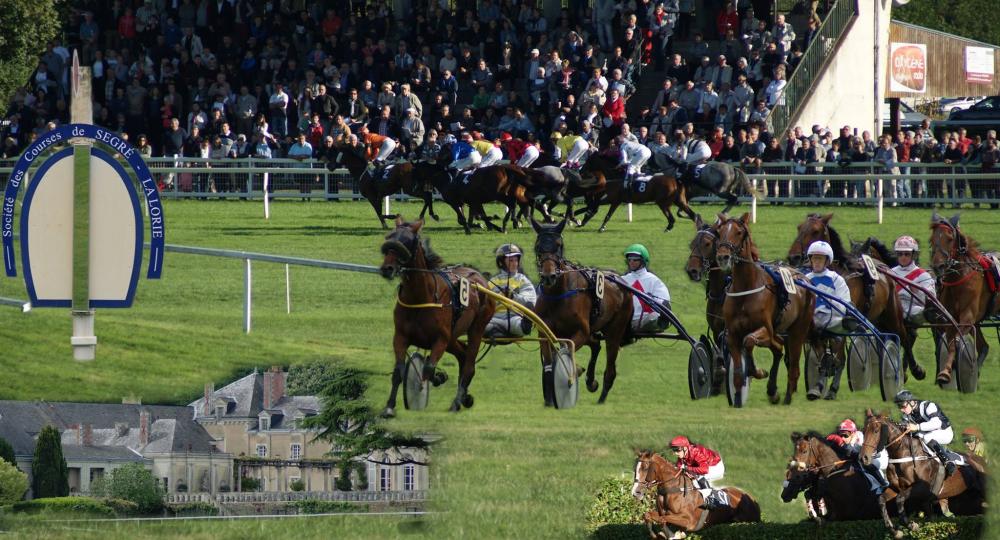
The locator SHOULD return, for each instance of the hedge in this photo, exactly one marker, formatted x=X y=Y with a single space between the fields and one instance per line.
x=198 y=508
x=615 y=515
x=65 y=505
x=122 y=507
x=313 y=506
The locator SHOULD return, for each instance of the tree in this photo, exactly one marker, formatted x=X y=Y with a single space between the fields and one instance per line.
x=134 y=483
x=309 y=379
x=7 y=452
x=48 y=468
x=26 y=26
x=960 y=17
x=13 y=483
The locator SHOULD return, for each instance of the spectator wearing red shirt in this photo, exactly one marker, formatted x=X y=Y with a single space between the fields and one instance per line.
x=727 y=19
x=126 y=27
x=716 y=142
x=331 y=23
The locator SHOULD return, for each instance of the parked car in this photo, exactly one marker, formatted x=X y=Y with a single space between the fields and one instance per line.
x=947 y=105
x=987 y=109
x=908 y=118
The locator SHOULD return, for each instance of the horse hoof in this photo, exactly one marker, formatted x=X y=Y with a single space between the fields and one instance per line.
x=830 y=396
x=788 y=399
x=943 y=378
x=549 y=403
x=918 y=372
x=439 y=378
x=592 y=385
x=774 y=399
x=389 y=412
x=602 y=229
x=468 y=401
x=601 y=400
x=455 y=406
x=435 y=218
x=813 y=395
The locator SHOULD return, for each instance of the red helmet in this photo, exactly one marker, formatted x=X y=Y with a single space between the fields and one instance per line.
x=506 y=136
x=680 y=441
x=848 y=426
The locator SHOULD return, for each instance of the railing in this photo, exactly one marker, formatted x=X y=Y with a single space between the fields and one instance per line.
x=814 y=60
x=289 y=496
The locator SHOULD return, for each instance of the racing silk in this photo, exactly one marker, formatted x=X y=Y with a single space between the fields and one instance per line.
x=829 y=282
x=698 y=152
x=850 y=445
x=515 y=286
x=374 y=143
x=929 y=417
x=647 y=282
x=515 y=149
x=565 y=144
x=483 y=147
x=630 y=149
x=699 y=459
x=461 y=150
x=913 y=301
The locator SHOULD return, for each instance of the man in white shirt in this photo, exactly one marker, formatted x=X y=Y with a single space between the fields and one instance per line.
x=278 y=105
x=644 y=318
x=912 y=301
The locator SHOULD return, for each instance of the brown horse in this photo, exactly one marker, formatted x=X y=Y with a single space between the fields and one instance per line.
x=701 y=263
x=596 y=172
x=663 y=190
x=876 y=299
x=964 y=291
x=834 y=490
x=678 y=501
x=429 y=313
x=912 y=471
x=569 y=305
x=409 y=178
x=753 y=315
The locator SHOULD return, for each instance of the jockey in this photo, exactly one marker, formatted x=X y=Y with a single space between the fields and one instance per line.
x=704 y=465
x=644 y=319
x=634 y=155
x=849 y=440
x=521 y=152
x=572 y=150
x=490 y=152
x=463 y=155
x=379 y=146
x=912 y=301
x=928 y=423
x=974 y=441
x=827 y=316
x=512 y=283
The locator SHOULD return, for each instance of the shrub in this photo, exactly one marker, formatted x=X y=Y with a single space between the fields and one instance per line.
x=135 y=483
x=48 y=468
x=65 y=505
x=7 y=451
x=298 y=485
x=249 y=484
x=194 y=509
x=614 y=504
x=13 y=483
x=343 y=481
x=312 y=506
x=122 y=507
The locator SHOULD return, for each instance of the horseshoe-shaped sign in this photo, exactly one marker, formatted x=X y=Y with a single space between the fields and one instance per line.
x=870 y=267
x=463 y=292
x=599 y=286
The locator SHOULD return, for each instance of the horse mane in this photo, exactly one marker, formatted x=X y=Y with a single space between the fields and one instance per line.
x=434 y=261
x=839 y=253
x=883 y=251
x=812 y=434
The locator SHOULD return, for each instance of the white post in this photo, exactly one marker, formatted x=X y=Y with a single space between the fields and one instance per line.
x=629 y=213
x=247 y=300
x=267 y=206
x=385 y=206
x=753 y=202
x=288 y=290
x=881 y=200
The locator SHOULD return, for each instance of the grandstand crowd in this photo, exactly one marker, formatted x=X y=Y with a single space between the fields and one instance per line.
x=297 y=79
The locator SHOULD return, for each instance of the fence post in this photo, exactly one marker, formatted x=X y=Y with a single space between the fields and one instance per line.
x=385 y=206
x=288 y=290
x=249 y=178
x=881 y=200
x=629 y=213
x=326 y=183
x=753 y=201
x=247 y=300
x=267 y=207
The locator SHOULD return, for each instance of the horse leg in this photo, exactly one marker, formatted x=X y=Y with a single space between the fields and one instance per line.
x=486 y=219
x=428 y=206
x=399 y=351
x=607 y=218
x=731 y=201
x=595 y=350
x=610 y=368
x=944 y=376
x=736 y=353
x=883 y=508
x=378 y=211
x=682 y=204
x=461 y=353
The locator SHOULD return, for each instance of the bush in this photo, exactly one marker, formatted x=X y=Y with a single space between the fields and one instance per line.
x=7 y=451
x=249 y=484
x=298 y=485
x=13 y=483
x=122 y=507
x=65 y=505
x=48 y=468
x=312 y=506
x=135 y=483
x=193 y=509
x=343 y=481
x=614 y=504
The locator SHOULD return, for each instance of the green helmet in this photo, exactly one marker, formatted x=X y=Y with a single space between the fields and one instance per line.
x=640 y=250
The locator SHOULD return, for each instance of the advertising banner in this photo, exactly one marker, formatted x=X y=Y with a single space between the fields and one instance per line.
x=908 y=67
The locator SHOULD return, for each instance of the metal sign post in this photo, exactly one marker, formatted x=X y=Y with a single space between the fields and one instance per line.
x=81 y=112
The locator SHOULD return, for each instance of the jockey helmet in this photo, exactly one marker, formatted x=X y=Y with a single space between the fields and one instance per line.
x=449 y=139
x=507 y=250
x=820 y=247
x=640 y=250
x=848 y=425
x=679 y=441
x=555 y=136
x=904 y=396
x=972 y=434
x=506 y=136
x=906 y=243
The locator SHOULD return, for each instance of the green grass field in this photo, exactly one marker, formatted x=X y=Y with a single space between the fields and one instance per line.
x=507 y=467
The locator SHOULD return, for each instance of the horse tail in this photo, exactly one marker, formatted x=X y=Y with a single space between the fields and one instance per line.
x=741 y=175
x=747 y=511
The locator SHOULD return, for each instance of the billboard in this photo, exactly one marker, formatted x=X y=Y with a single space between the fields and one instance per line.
x=979 y=65
x=908 y=67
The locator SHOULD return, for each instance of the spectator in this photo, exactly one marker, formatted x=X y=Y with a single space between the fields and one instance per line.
x=727 y=20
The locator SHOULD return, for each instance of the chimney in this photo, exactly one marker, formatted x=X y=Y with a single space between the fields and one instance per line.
x=274 y=386
x=121 y=428
x=207 y=406
x=77 y=434
x=143 y=427
x=88 y=434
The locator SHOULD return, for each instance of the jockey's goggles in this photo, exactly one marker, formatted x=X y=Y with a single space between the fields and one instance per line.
x=969 y=438
x=902 y=253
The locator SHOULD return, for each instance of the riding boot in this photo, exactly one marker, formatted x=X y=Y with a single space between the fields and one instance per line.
x=949 y=467
x=871 y=469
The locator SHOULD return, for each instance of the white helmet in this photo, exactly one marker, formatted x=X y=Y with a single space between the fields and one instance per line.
x=820 y=247
x=906 y=243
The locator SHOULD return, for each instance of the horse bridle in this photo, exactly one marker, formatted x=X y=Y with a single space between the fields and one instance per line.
x=735 y=250
x=706 y=262
x=953 y=257
x=404 y=253
x=646 y=484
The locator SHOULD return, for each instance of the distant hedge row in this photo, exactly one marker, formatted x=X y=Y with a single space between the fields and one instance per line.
x=615 y=515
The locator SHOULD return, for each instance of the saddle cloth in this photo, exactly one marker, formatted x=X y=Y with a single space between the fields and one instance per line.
x=991 y=268
x=953 y=457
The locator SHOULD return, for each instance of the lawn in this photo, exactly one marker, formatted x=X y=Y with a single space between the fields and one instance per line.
x=507 y=467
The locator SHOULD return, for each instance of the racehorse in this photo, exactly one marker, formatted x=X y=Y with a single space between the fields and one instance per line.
x=834 y=489
x=720 y=179
x=408 y=177
x=429 y=311
x=701 y=263
x=913 y=470
x=678 y=501
x=876 y=299
x=663 y=190
x=753 y=313
x=964 y=284
x=568 y=302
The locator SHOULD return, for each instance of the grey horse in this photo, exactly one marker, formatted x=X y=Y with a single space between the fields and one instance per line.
x=716 y=177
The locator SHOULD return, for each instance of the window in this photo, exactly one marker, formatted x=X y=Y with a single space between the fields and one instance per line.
x=296 y=451
x=96 y=473
x=265 y=423
x=261 y=450
x=409 y=477
x=385 y=479
x=372 y=469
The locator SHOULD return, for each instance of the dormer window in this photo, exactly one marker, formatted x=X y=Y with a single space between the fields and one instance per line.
x=265 y=423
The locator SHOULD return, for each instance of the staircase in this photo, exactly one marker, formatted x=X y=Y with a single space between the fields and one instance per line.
x=803 y=80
